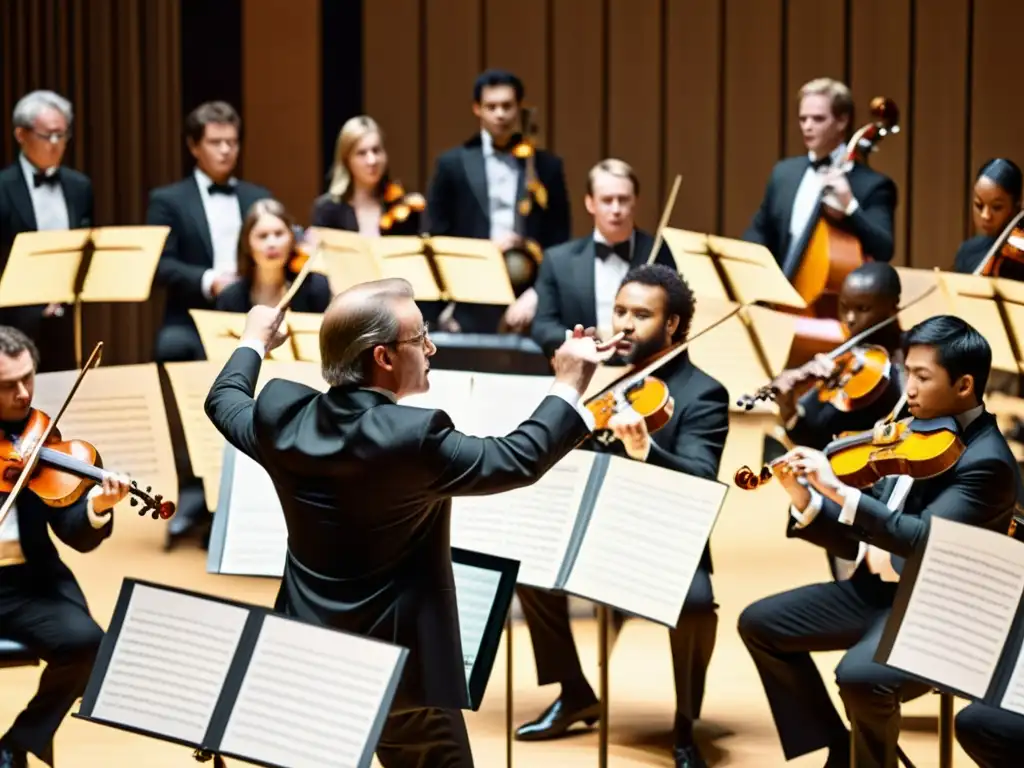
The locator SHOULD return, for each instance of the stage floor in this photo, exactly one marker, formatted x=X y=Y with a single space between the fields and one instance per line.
x=752 y=559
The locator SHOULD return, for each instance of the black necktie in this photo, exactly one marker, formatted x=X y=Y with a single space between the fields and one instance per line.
x=604 y=250
x=40 y=178
x=221 y=189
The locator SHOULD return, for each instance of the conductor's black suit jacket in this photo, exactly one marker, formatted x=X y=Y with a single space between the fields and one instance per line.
x=366 y=487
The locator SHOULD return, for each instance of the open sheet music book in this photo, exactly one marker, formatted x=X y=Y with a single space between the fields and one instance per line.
x=958 y=622
x=249 y=538
x=240 y=681
x=606 y=528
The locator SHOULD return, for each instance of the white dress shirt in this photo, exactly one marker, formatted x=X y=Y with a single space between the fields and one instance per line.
x=224 y=217
x=808 y=196
x=48 y=202
x=879 y=561
x=502 y=171
x=10 y=540
x=608 y=275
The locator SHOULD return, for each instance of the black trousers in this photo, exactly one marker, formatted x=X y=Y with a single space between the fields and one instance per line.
x=993 y=738
x=781 y=631
x=64 y=635
x=178 y=343
x=692 y=642
x=425 y=738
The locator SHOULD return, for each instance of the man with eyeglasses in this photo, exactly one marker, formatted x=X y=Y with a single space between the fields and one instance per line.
x=366 y=484
x=38 y=194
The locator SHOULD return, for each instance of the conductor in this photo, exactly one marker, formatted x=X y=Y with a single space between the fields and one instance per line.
x=366 y=486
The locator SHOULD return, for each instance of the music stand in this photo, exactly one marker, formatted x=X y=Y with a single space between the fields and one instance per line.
x=105 y=264
x=220 y=333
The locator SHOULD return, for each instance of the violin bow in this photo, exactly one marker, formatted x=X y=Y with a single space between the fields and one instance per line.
x=855 y=340
x=665 y=214
x=29 y=465
x=284 y=303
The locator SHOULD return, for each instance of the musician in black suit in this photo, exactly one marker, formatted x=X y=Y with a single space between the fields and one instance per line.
x=41 y=604
x=362 y=196
x=205 y=212
x=991 y=737
x=997 y=192
x=653 y=308
x=476 y=188
x=947 y=365
x=38 y=194
x=862 y=201
x=366 y=487
x=578 y=280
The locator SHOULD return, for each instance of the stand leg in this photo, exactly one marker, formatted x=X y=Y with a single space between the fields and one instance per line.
x=77 y=320
x=603 y=626
x=945 y=730
x=508 y=689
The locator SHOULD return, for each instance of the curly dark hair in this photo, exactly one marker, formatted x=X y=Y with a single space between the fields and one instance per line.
x=679 y=298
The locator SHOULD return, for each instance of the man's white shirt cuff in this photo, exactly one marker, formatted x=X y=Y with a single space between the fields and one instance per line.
x=206 y=284
x=851 y=498
x=97 y=520
x=258 y=348
x=852 y=206
x=806 y=517
x=572 y=397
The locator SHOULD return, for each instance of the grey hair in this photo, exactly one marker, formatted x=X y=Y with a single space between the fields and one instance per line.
x=347 y=335
x=30 y=105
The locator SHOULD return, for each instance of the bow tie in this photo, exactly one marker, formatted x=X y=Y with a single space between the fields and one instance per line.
x=40 y=178
x=604 y=250
x=220 y=189
x=821 y=162
x=509 y=145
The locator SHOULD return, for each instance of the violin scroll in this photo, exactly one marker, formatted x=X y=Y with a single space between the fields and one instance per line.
x=159 y=509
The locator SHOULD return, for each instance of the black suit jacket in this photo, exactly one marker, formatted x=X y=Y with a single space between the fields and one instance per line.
x=973 y=250
x=694 y=438
x=871 y=222
x=313 y=296
x=338 y=214
x=565 y=287
x=366 y=487
x=457 y=202
x=188 y=252
x=982 y=489
x=72 y=526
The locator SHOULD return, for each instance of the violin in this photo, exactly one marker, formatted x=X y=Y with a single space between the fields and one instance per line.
x=644 y=393
x=1008 y=246
x=831 y=252
x=65 y=469
x=399 y=205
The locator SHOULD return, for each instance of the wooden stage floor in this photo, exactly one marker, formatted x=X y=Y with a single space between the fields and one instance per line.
x=752 y=559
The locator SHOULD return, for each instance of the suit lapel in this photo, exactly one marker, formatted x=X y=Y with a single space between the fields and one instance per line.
x=583 y=278
x=787 y=194
x=194 y=204
x=71 y=202
x=21 y=199
x=247 y=196
x=476 y=175
x=642 y=245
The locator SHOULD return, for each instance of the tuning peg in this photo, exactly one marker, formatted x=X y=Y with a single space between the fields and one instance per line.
x=156 y=514
x=149 y=488
x=134 y=502
x=135 y=483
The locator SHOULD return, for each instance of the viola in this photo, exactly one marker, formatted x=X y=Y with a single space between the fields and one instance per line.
x=640 y=390
x=64 y=469
x=1009 y=246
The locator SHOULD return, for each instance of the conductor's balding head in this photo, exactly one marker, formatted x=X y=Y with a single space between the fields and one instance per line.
x=373 y=335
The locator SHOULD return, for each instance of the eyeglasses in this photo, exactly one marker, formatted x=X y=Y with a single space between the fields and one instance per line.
x=53 y=138
x=420 y=338
x=748 y=481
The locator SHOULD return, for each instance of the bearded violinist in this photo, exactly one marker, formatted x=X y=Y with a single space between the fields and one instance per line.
x=653 y=308
x=947 y=365
x=41 y=604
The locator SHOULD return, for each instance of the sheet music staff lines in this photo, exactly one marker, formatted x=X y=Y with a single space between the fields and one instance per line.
x=475 y=600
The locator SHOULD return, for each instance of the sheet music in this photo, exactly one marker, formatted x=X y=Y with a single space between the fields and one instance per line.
x=645 y=539
x=532 y=524
x=449 y=392
x=120 y=410
x=170 y=662
x=310 y=696
x=191 y=383
x=960 y=611
x=500 y=402
x=475 y=590
x=256 y=539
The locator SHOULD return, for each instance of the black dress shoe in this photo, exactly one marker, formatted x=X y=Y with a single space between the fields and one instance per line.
x=557 y=719
x=10 y=757
x=688 y=757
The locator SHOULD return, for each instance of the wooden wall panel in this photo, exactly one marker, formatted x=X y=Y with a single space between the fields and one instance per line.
x=577 y=84
x=394 y=84
x=880 y=65
x=508 y=25
x=454 y=40
x=939 y=177
x=815 y=47
x=634 y=101
x=693 y=119
x=996 y=115
x=753 y=109
x=279 y=93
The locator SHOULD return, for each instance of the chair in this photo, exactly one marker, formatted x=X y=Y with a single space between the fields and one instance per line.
x=945 y=736
x=14 y=654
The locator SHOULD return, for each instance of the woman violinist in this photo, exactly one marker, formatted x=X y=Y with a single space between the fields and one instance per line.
x=997 y=200
x=362 y=197
x=266 y=267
